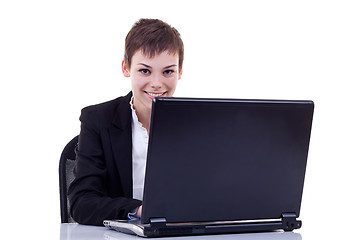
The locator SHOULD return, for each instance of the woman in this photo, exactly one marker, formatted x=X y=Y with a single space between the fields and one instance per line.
x=112 y=149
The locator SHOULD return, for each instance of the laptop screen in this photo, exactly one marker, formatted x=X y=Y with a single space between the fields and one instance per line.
x=225 y=159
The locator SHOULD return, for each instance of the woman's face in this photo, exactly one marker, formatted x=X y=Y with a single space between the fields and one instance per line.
x=152 y=77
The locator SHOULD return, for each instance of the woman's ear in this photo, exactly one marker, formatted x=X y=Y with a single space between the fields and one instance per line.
x=125 y=69
x=180 y=74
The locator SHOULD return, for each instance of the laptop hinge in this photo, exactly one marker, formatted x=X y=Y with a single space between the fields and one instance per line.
x=289 y=221
x=158 y=222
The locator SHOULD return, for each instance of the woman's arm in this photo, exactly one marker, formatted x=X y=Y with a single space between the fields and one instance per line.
x=90 y=202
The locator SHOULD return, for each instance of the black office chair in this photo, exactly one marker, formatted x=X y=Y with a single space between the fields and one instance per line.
x=66 y=176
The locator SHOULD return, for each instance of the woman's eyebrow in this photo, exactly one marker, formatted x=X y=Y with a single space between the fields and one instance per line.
x=172 y=65
x=145 y=65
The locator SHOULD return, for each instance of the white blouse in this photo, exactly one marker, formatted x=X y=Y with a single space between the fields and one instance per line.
x=140 y=139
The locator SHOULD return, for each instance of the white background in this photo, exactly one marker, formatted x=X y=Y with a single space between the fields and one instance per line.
x=59 y=56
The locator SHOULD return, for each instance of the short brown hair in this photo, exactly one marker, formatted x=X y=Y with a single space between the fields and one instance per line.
x=153 y=36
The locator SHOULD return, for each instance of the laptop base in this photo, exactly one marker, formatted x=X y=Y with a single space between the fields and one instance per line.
x=159 y=227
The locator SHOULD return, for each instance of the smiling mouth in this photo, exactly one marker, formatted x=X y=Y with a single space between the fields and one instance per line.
x=153 y=94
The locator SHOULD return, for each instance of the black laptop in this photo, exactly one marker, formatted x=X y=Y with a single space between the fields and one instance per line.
x=223 y=166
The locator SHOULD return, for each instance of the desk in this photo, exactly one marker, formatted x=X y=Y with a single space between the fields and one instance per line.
x=73 y=231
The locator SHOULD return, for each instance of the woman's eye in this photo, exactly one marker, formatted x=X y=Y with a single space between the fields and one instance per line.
x=144 y=71
x=168 y=72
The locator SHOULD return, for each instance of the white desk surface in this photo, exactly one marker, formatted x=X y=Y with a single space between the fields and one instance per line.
x=73 y=231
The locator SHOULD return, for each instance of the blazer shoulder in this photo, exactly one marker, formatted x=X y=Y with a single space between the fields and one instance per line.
x=106 y=110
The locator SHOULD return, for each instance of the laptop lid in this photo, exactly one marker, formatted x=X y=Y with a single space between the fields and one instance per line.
x=225 y=159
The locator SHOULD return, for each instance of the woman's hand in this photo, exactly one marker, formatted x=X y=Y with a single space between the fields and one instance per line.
x=138 y=212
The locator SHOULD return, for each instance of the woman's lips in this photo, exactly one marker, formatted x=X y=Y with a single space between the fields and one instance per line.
x=155 y=94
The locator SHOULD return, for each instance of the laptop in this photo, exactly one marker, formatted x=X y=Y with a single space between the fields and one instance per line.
x=223 y=166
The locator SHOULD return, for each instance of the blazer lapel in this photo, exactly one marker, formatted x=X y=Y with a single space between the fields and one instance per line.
x=121 y=142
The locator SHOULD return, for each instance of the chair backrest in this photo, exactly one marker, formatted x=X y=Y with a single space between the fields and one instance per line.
x=66 y=176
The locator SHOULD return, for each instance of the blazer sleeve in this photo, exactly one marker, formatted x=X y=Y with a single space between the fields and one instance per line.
x=90 y=202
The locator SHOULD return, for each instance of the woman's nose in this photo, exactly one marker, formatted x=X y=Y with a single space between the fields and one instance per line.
x=156 y=83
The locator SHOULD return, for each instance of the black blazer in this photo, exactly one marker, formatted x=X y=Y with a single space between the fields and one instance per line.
x=103 y=188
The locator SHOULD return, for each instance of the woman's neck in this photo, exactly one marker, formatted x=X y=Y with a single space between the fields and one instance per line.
x=143 y=114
